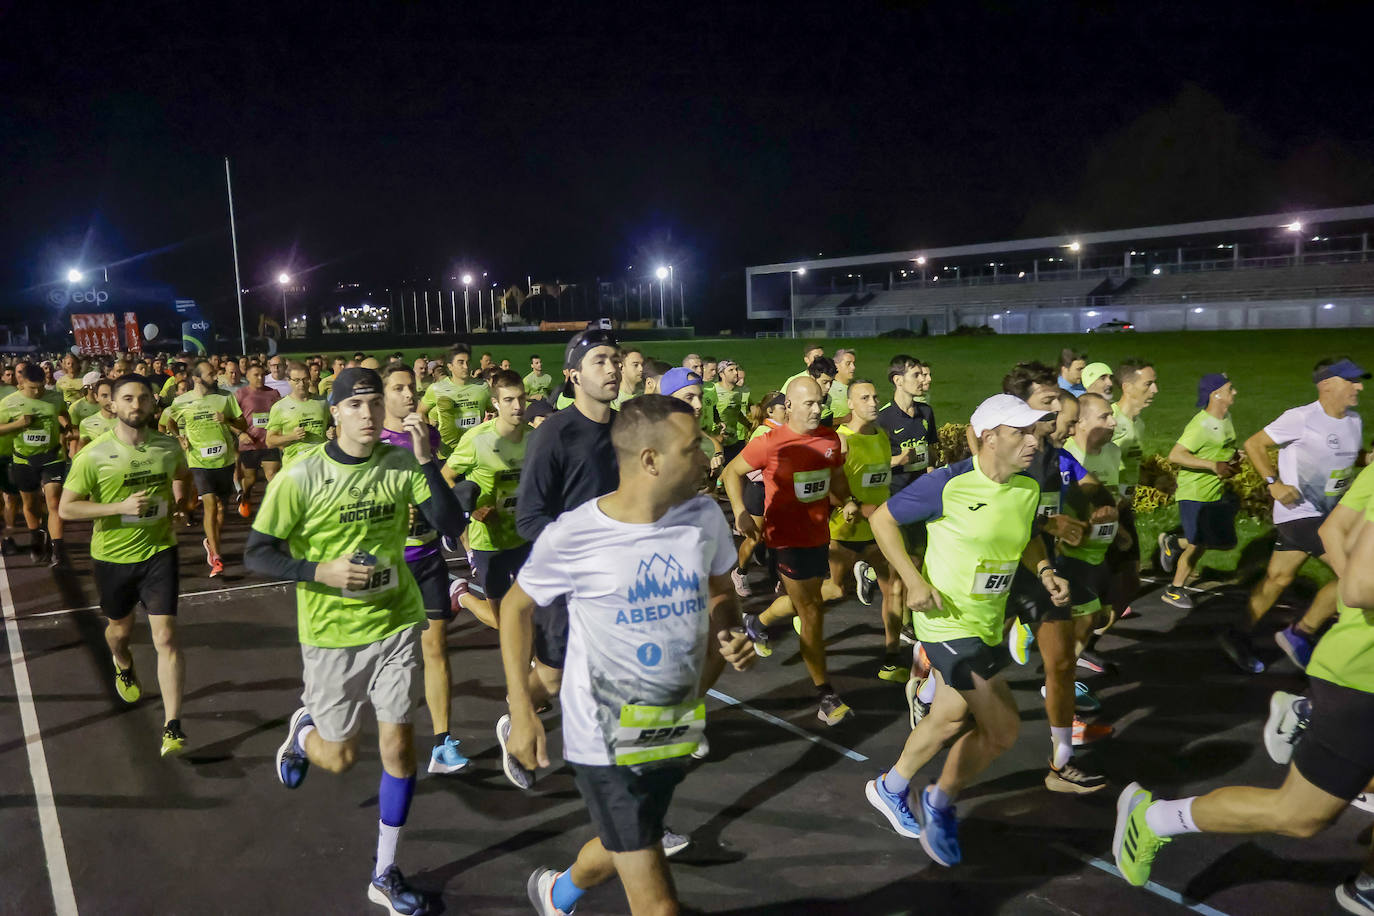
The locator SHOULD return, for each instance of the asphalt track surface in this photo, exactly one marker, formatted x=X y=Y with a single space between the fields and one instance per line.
x=777 y=813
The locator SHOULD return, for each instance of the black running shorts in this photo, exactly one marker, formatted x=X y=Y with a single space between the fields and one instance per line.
x=1116 y=556
x=495 y=570
x=629 y=803
x=958 y=660
x=153 y=581
x=6 y=484
x=216 y=482
x=39 y=471
x=1029 y=601
x=1210 y=525
x=1300 y=534
x=753 y=498
x=431 y=574
x=1336 y=753
x=1088 y=584
x=551 y=634
x=802 y=563
x=254 y=458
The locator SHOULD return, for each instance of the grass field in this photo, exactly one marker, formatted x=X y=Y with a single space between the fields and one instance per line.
x=1271 y=371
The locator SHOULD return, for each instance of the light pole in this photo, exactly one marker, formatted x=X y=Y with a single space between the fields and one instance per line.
x=283 y=279
x=792 y=296
x=467 y=319
x=662 y=274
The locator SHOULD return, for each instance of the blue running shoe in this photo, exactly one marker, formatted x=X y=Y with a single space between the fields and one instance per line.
x=389 y=889
x=1295 y=645
x=893 y=807
x=1354 y=900
x=292 y=765
x=1083 y=699
x=940 y=833
x=446 y=758
x=515 y=771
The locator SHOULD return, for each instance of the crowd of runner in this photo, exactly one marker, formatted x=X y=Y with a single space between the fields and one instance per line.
x=633 y=528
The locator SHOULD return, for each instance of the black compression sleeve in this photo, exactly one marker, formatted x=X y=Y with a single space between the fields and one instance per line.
x=270 y=556
x=442 y=509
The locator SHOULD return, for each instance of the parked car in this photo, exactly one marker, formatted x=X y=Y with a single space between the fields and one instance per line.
x=1112 y=327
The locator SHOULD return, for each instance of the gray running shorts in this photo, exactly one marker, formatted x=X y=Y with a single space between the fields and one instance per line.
x=339 y=682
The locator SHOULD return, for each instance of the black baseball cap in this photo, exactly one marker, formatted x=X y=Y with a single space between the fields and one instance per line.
x=584 y=341
x=353 y=382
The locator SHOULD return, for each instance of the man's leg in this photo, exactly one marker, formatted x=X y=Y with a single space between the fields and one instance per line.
x=438 y=689
x=52 y=495
x=996 y=724
x=1297 y=809
x=841 y=562
x=647 y=881
x=117 y=636
x=33 y=518
x=249 y=479
x=1057 y=651
x=1283 y=566
x=947 y=717
x=171 y=669
x=270 y=469
x=1322 y=609
x=210 y=504
x=805 y=596
x=1188 y=560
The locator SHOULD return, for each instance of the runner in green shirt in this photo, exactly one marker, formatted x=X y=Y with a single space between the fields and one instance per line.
x=86 y=405
x=296 y=423
x=491 y=456
x=732 y=407
x=1139 y=385
x=455 y=404
x=208 y=421
x=70 y=384
x=100 y=422
x=538 y=383
x=124 y=483
x=1205 y=455
x=8 y=492
x=631 y=376
x=336 y=522
x=839 y=388
x=37 y=417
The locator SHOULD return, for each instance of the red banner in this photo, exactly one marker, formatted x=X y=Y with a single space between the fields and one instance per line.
x=133 y=337
x=96 y=333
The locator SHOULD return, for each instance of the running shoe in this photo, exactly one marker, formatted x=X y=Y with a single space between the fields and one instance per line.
x=450 y=544
x=446 y=758
x=1236 y=645
x=833 y=710
x=292 y=765
x=1289 y=715
x=1021 y=640
x=865 y=582
x=8 y=548
x=1088 y=732
x=920 y=662
x=893 y=807
x=244 y=509
x=216 y=564
x=1112 y=617
x=796 y=624
x=457 y=588
x=1354 y=900
x=37 y=542
x=1134 y=844
x=917 y=709
x=939 y=833
x=126 y=683
x=908 y=634
x=1168 y=552
x=703 y=748
x=515 y=771
x=1175 y=596
x=1091 y=661
x=1295 y=645
x=1083 y=699
x=173 y=739
x=1074 y=778
x=391 y=890
x=57 y=554
x=741 y=582
x=540 y=890
x=758 y=635
x=1364 y=802
x=674 y=843
x=894 y=673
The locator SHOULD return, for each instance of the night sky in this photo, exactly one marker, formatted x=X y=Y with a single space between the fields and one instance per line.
x=383 y=141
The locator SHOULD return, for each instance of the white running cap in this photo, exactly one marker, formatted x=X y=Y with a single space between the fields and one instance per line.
x=1004 y=410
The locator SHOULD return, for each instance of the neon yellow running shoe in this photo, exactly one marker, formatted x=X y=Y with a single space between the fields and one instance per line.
x=1020 y=642
x=1134 y=844
x=126 y=683
x=173 y=739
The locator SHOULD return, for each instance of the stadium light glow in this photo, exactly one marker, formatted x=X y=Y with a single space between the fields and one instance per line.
x=1294 y=226
x=1198 y=310
x=1075 y=247
x=1329 y=306
x=1155 y=271
x=921 y=260
x=801 y=271
x=283 y=278
x=74 y=275
x=1091 y=314
x=467 y=279
x=661 y=272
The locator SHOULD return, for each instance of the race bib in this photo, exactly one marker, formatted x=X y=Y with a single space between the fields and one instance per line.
x=810 y=486
x=260 y=420
x=921 y=461
x=155 y=510
x=1338 y=482
x=469 y=421
x=36 y=437
x=212 y=451
x=649 y=733
x=1103 y=532
x=382 y=578
x=875 y=475
x=1049 y=505
x=992 y=578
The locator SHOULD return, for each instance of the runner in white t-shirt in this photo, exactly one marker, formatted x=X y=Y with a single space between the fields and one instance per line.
x=639 y=632
x=1319 y=447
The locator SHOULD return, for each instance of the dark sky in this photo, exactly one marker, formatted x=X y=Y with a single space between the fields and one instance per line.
x=386 y=140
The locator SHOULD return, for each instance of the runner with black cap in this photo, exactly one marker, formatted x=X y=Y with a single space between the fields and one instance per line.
x=335 y=522
x=1320 y=445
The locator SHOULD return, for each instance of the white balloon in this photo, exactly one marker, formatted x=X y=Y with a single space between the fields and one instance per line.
x=150 y=332
x=76 y=350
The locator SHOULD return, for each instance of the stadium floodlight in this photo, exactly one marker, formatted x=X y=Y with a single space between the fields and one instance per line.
x=1198 y=310
x=1155 y=271
x=283 y=278
x=1075 y=247
x=921 y=260
x=661 y=272
x=1294 y=226
x=467 y=279
x=74 y=275
x=801 y=271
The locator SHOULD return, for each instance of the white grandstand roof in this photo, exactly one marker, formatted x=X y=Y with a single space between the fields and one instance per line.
x=1087 y=239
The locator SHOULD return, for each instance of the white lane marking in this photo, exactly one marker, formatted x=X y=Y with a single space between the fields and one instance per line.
x=788 y=726
x=1158 y=890
x=59 y=876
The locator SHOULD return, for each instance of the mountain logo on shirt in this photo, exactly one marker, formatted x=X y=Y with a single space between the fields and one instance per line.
x=661 y=577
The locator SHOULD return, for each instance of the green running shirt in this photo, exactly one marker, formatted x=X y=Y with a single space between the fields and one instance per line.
x=1361 y=492
x=288 y=415
x=493 y=463
x=1074 y=465
x=1345 y=654
x=1211 y=440
x=868 y=468
x=81 y=410
x=455 y=409
x=97 y=425
x=212 y=444
x=538 y=386
x=109 y=471
x=44 y=435
x=324 y=510
x=1126 y=437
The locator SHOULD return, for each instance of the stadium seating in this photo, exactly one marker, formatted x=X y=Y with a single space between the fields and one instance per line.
x=933 y=298
x=1245 y=285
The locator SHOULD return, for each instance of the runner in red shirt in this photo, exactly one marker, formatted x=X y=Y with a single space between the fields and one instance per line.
x=803 y=476
x=255 y=401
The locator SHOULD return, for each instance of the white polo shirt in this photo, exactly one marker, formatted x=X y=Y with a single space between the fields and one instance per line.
x=1317 y=454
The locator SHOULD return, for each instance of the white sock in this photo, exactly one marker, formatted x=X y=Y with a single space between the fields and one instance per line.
x=926 y=692
x=1170 y=818
x=386 y=846
x=1061 y=744
x=302 y=735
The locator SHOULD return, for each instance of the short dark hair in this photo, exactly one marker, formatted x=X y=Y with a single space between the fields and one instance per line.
x=536 y=356
x=821 y=365
x=456 y=349
x=626 y=351
x=1023 y=378
x=708 y=359
x=1068 y=355
x=359 y=355
x=1093 y=396
x=395 y=366
x=635 y=425
x=809 y=347
x=901 y=364
x=505 y=378
x=1128 y=368
x=655 y=368
x=130 y=378
x=103 y=383
x=33 y=373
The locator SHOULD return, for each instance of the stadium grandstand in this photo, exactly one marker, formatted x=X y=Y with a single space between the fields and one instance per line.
x=1293 y=270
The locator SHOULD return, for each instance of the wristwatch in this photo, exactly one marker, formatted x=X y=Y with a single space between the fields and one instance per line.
x=1270 y=481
